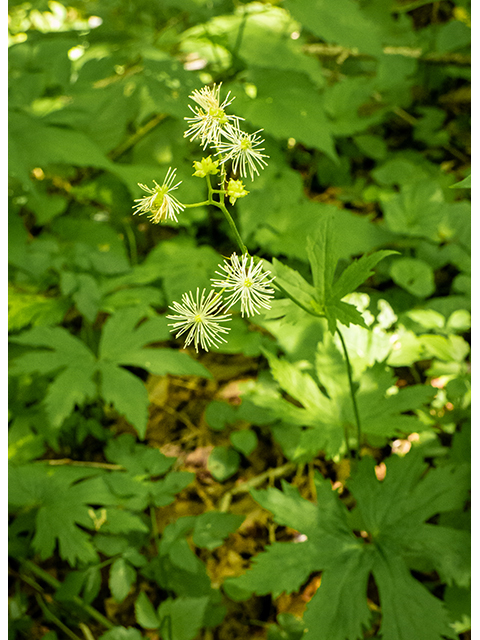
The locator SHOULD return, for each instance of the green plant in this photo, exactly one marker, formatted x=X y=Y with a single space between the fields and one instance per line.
x=326 y=252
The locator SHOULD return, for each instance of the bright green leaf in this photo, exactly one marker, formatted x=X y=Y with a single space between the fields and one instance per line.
x=145 y=613
x=122 y=576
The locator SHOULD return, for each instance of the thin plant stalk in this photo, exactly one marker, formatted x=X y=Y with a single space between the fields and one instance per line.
x=352 y=394
x=53 y=582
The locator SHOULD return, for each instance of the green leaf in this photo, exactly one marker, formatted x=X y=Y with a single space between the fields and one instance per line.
x=458 y=602
x=219 y=414
x=122 y=633
x=292 y=284
x=393 y=514
x=37 y=145
x=409 y=611
x=25 y=308
x=223 y=462
x=62 y=505
x=121 y=521
x=317 y=421
x=164 y=491
x=127 y=393
x=295 y=560
x=122 y=343
x=343 y=23
x=145 y=613
x=291 y=628
x=323 y=254
x=414 y=275
x=357 y=272
x=345 y=582
x=182 y=618
x=212 y=528
x=122 y=576
x=137 y=458
x=289 y=113
x=66 y=350
x=466 y=183
x=135 y=485
x=73 y=384
x=69 y=389
x=323 y=251
x=244 y=441
x=449 y=348
x=418 y=210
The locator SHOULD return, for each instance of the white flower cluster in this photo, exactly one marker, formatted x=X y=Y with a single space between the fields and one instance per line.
x=210 y=123
x=211 y=126
x=201 y=317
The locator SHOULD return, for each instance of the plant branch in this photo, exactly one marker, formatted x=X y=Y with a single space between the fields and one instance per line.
x=56 y=584
x=233 y=227
x=137 y=136
x=342 y=53
x=271 y=474
x=53 y=618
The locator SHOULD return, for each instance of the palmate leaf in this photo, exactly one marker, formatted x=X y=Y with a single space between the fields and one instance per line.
x=393 y=513
x=68 y=356
x=126 y=393
x=323 y=250
x=325 y=297
x=321 y=420
x=76 y=367
x=62 y=496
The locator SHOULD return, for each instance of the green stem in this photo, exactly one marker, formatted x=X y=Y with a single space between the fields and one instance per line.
x=198 y=204
x=132 y=245
x=56 y=584
x=352 y=393
x=233 y=227
x=51 y=617
x=222 y=207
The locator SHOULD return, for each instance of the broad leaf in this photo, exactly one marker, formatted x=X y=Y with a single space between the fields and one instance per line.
x=62 y=505
x=392 y=514
x=321 y=420
x=325 y=297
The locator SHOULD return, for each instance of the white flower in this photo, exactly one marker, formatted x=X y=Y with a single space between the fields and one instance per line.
x=160 y=204
x=201 y=318
x=241 y=149
x=246 y=282
x=208 y=121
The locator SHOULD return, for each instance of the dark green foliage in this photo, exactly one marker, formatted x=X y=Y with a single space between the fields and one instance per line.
x=363 y=217
x=393 y=516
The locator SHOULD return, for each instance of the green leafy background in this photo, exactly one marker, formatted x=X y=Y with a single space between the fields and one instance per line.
x=153 y=490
